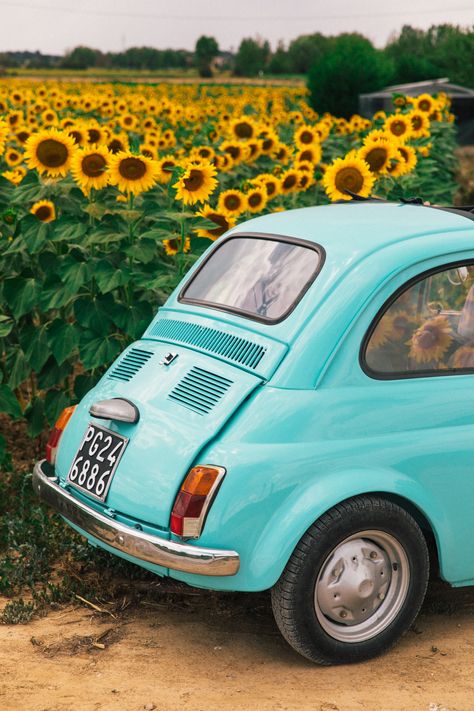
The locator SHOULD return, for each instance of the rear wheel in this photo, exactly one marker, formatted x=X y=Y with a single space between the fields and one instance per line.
x=354 y=583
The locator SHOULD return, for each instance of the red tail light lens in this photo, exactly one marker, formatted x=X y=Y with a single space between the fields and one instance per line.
x=194 y=499
x=56 y=432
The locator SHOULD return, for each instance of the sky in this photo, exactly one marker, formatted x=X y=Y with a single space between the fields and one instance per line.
x=54 y=26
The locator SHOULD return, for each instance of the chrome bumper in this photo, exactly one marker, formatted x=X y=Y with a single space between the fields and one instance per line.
x=140 y=545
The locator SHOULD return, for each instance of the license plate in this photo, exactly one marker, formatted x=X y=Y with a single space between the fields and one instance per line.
x=96 y=461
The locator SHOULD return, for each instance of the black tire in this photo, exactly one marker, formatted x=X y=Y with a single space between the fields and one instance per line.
x=393 y=545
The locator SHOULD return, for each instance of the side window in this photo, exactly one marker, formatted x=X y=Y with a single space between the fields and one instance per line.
x=427 y=329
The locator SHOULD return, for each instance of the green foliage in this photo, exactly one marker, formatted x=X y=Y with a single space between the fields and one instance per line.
x=252 y=57
x=76 y=291
x=206 y=50
x=352 y=67
x=440 y=51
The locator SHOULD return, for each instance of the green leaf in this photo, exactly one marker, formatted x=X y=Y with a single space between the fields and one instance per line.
x=6 y=325
x=82 y=384
x=37 y=351
x=53 y=374
x=74 y=274
x=8 y=402
x=63 y=338
x=109 y=277
x=96 y=351
x=158 y=234
x=143 y=250
x=54 y=293
x=132 y=320
x=93 y=313
x=54 y=402
x=35 y=417
x=17 y=368
x=21 y=294
x=35 y=233
x=68 y=229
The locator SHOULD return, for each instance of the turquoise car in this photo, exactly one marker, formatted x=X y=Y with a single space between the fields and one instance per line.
x=297 y=417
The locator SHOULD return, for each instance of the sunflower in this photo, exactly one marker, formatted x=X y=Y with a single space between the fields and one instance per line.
x=311 y=154
x=50 y=152
x=148 y=151
x=231 y=202
x=270 y=182
x=407 y=160
x=44 y=210
x=350 y=173
x=95 y=135
x=243 y=128
x=196 y=183
x=289 y=181
x=431 y=340
x=425 y=103
x=16 y=175
x=377 y=154
x=118 y=143
x=306 y=179
x=464 y=357
x=166 y=165
x=420 y=124
x=13 y=157
x=49 y=118
x=381 y=333
x=256 y=199
x=305 y=136
x=132 y=173
x=89 y=168
x=237 y=151
x=128 y=122
x=282 y=152
x=22 y=135
x=173 y=246
x=223 y=222
x=399 y=126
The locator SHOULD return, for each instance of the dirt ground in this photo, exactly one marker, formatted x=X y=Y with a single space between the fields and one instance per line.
x=223 y=651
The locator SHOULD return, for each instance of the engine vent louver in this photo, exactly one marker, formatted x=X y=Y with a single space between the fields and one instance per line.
x=130 y=364
x=200 y=390
x=234 y=348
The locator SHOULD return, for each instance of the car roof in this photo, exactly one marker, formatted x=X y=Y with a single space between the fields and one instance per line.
x=357 y=228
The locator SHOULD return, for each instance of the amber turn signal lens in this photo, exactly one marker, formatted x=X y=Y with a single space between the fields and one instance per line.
x=194 y=499
x=56 y=432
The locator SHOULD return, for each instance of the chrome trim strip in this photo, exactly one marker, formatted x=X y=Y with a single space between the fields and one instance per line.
x=152 y=549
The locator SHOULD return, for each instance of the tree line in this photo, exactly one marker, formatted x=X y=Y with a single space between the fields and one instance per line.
x=410 y=55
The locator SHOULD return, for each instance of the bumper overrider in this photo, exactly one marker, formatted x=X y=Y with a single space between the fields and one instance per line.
x=142 y=546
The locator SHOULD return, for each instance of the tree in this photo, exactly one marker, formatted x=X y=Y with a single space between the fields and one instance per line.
x=353 y=66
x=279 y=62
x=305 y=51
x=82 y=58
x=206 y=50
x=252 y=57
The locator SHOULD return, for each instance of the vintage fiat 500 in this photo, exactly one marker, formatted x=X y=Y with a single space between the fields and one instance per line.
x=298 y=416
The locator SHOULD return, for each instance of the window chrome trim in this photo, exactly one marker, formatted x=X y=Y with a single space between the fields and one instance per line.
x=409 y=374
x=182 y=299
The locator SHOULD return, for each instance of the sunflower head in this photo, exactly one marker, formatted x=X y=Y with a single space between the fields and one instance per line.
x=132 y=173
x=431 y=340
x=231 y=202
x=377 y=154
x=222 y=221
x=196 y=183
x=350 y=173
x=50 y=152
x=89 y=168
x=256 y=199
x=44 y=210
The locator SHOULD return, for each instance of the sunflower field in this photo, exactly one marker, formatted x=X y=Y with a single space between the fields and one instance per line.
x=109 y=192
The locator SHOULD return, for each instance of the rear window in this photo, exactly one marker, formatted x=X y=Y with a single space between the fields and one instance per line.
x=259 y=277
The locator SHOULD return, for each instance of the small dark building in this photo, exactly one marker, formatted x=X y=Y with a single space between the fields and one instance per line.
x=462 y=102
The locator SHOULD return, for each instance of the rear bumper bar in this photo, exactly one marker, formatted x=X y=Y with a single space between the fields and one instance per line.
x=140 y=545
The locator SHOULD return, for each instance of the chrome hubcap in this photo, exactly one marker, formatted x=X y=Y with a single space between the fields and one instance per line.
x=361 y=586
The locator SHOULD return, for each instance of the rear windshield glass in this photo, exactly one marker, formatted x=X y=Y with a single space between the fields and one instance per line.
x=261 y=278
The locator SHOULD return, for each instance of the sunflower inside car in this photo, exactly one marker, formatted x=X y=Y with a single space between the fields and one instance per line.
x=297 y=417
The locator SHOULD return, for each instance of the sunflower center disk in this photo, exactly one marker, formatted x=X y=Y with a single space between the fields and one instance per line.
x=243 y=130
x=349 y=179
x=43 y=213
x=194 y=181
x=376 y=159
x=132 y=168
x=52 y=153
x=232 y=202
x=94 y=165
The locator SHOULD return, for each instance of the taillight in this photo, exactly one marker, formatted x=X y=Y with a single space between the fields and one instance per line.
x=56 y=432
x=194 y=499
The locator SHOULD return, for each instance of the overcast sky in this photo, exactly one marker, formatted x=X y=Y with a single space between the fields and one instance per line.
x=53 y=26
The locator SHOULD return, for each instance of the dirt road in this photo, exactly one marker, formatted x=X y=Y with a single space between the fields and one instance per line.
x=206 y=651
